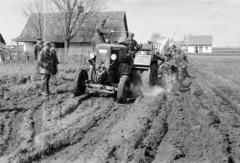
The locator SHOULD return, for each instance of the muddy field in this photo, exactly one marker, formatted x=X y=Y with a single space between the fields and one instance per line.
x=202 y=125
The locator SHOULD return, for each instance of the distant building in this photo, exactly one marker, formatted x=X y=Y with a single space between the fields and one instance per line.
x=116 y=21
x=198 y=44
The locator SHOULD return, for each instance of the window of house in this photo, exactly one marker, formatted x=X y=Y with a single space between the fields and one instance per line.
x=206 y=47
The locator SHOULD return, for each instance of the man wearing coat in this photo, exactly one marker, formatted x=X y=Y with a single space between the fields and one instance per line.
x=46 y=67
x=100 y=31
x=55 y=64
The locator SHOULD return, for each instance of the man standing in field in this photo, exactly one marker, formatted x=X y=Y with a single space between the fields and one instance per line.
x=36 y=51
x=45 y=63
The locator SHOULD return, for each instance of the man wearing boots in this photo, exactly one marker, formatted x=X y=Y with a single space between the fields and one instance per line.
x=45 y=63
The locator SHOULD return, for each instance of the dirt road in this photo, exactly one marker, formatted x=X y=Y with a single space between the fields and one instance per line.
x=202 y=125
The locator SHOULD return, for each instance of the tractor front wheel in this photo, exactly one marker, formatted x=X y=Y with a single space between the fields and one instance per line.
x=79 y=85
x=123 y=88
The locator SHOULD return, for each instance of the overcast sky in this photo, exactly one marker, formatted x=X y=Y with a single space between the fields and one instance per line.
x=220 y=18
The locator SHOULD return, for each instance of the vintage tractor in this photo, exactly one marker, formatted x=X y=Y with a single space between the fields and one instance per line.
x=113 y=71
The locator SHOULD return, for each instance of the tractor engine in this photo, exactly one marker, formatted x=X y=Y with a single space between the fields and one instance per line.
x=101 y=75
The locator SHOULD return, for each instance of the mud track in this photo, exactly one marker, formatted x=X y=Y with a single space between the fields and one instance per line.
x=197 y=126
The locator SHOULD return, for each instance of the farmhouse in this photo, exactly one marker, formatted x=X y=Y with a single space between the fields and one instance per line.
x=198 y=44
x=116 y=21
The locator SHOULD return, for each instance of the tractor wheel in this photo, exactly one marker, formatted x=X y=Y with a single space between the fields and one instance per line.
x=79 y=87
x=136 y=85
x=123 y=88
x=153 y=76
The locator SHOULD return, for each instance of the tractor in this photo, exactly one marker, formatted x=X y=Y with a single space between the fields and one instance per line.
x=113 y=71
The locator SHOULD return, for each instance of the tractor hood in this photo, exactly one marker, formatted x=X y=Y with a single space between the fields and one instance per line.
x=104 y=52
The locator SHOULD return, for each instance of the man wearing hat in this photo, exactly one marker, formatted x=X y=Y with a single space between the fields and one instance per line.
x=45 y=63
x=100 y=31
x=36 y=51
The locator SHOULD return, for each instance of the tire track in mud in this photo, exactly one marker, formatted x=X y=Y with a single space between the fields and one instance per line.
x=68 y=130
x=196 y=126
x=20 y=130
x=201 y=129
x=134 y=134
x=92 y=137
x=91 y=125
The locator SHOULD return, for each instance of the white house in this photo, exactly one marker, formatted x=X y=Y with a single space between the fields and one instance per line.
x=198 y=44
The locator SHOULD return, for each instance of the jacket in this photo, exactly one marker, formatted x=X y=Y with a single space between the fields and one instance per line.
x=45 y=62
x=98 y=37
x=55 y=61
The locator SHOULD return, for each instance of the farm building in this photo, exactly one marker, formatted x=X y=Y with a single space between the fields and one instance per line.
x=197 y=44
x=116 y=21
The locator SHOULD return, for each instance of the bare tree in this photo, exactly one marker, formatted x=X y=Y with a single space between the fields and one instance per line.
x=33 y=10
x=155 y=39
x=73 y=14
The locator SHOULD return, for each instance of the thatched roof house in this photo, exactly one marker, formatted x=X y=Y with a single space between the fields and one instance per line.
x=116 y=21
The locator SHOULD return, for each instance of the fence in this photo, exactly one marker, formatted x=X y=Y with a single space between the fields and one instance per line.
x=74 y=55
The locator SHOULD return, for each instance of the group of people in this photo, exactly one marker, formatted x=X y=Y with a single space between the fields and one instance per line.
x=46 y=62
x=178 y=62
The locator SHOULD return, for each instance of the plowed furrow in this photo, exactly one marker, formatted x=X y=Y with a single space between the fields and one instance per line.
x=128 y=133
x=66 y=132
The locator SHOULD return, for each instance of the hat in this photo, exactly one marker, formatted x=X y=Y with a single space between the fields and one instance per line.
x=47 y=43
x=39 y=38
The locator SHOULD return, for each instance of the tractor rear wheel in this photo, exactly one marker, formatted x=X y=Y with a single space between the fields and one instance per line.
x=136 y=85
x=79 y=85
x=123 y=88
x=153 y=76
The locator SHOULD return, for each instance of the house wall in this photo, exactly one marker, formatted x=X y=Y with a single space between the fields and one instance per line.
x=207 y=49
x=201 y=49
x=191 y=49
x=28 y=47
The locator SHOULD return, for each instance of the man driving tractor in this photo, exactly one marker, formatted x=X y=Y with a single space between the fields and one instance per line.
x=100 y=31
